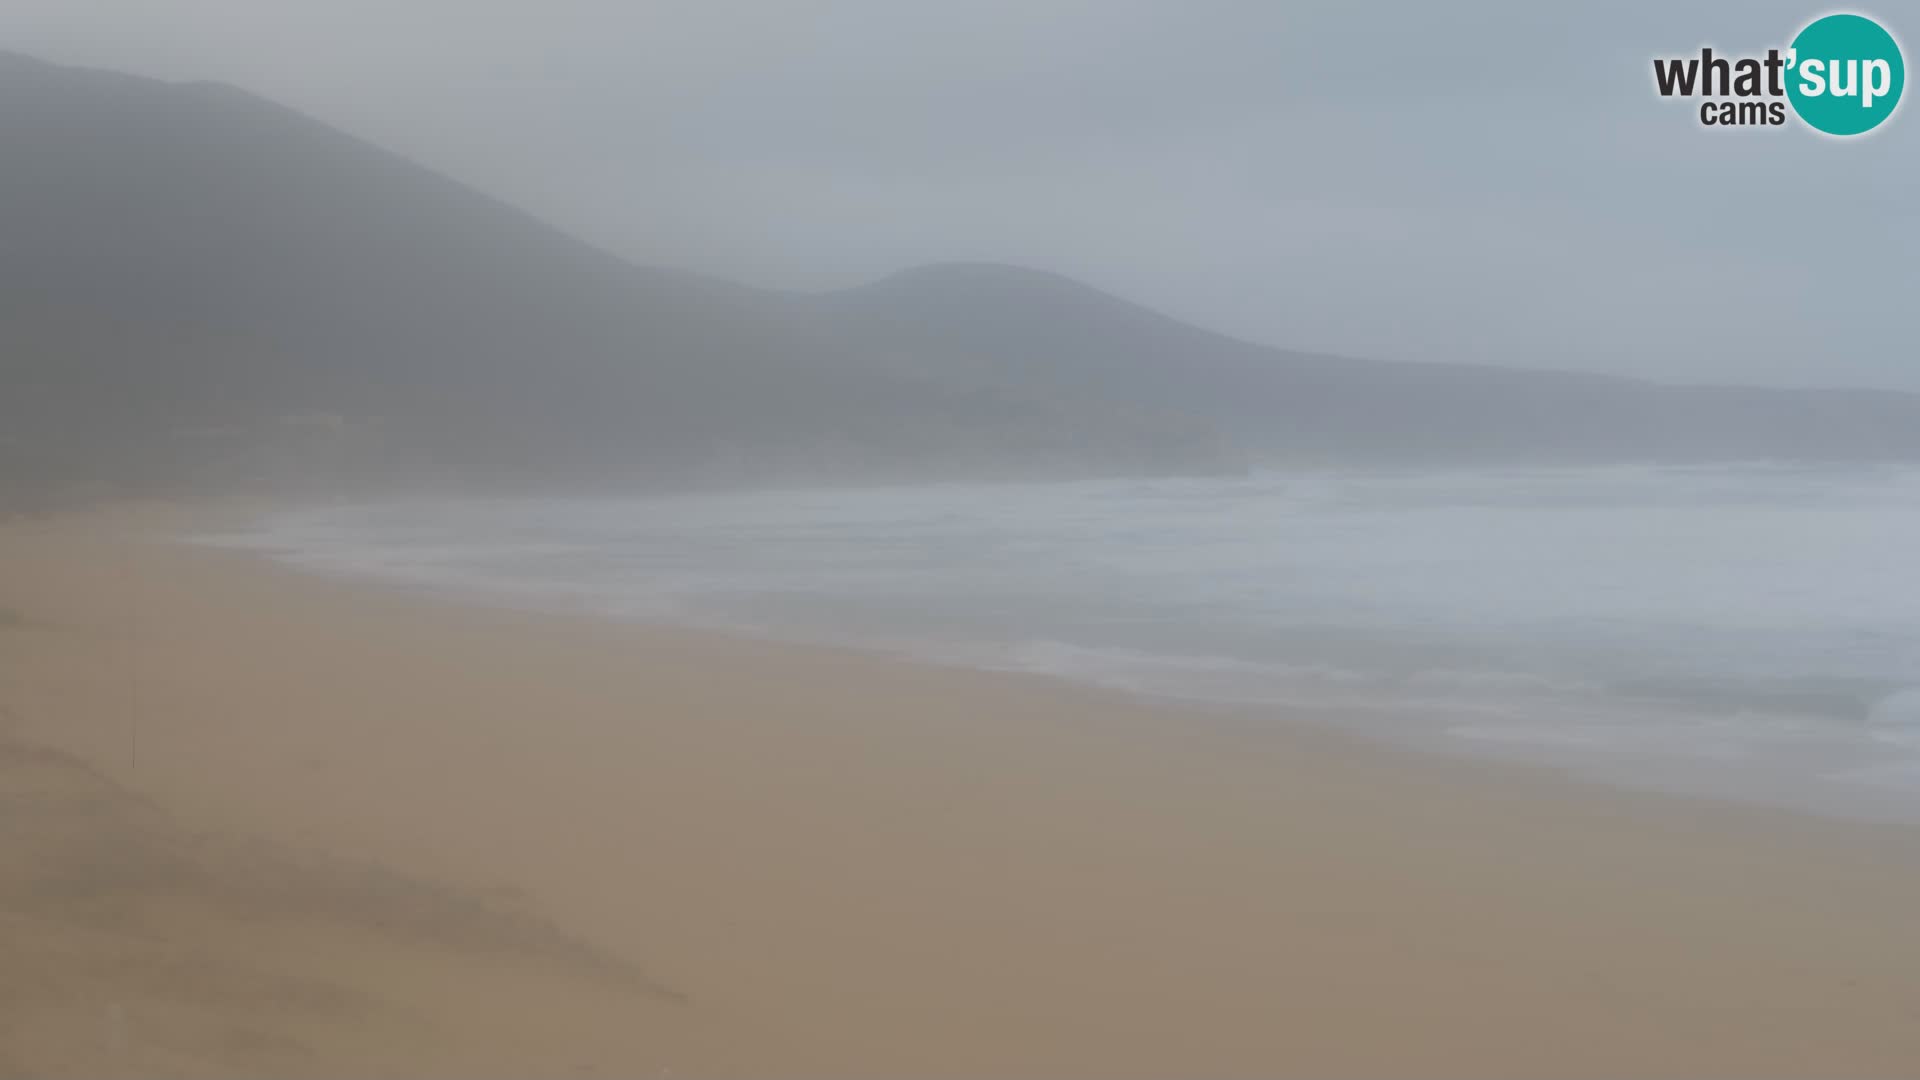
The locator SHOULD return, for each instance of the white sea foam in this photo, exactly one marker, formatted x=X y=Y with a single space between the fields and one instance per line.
x=1750 y=630
x=1897 y=714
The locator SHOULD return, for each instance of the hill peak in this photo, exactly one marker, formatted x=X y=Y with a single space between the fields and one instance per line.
x=982 y=279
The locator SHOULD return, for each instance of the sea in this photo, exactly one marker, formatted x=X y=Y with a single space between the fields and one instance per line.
x=1747 y=633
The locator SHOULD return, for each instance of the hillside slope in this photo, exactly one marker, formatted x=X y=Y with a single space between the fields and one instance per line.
x=1045 y=333
x=200 y=289
x=195 y=283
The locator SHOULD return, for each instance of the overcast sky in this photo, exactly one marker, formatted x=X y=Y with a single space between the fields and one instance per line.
x=1487 y=181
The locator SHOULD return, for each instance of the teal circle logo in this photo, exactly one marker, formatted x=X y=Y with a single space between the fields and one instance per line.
x=1845 y=74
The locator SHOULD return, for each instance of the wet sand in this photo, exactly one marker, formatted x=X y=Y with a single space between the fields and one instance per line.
x=259 y=822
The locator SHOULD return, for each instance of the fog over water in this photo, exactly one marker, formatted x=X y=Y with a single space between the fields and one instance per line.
x=921 y=537
x=1450 y=323
x=1743 y=631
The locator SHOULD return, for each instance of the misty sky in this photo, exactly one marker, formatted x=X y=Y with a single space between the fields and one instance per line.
x=1473 y=181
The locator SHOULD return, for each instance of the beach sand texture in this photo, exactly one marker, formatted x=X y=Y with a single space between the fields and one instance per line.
x=259 y=822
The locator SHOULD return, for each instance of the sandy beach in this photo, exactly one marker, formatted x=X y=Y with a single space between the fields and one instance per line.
x=261 y=822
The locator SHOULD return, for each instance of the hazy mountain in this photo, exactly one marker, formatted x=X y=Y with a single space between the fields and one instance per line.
x=200 y=287
x=1043 y=332
x=196 y=283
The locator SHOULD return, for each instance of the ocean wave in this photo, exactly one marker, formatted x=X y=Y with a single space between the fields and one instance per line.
x=1755 y=618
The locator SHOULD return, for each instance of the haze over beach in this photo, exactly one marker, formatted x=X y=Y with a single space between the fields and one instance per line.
x=846 y=539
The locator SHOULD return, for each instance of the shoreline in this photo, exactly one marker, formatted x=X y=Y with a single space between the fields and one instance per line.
x=1439 y=727
x=455 y=837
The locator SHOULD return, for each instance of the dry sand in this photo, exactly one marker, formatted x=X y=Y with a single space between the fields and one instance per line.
x=253 y=822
